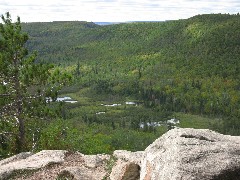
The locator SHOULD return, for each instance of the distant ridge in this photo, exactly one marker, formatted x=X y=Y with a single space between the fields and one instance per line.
x=110 y=23
x=107 y=23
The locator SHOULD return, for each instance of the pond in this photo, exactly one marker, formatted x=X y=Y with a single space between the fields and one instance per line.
x=172 y=121
x=66 y=99
x=115 y=104
x=111 y=105
x=101 y=112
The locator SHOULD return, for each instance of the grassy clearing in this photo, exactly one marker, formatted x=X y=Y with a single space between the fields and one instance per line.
x=90 y=104
x=196 y=121
x=97 y=128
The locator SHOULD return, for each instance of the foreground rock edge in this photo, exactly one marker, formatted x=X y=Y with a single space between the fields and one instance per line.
x=192 y=154
x=178 y=154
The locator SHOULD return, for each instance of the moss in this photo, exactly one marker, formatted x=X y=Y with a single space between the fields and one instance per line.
x=21 y=173
x=109 y=165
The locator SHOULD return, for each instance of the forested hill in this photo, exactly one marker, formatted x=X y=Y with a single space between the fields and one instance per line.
x=209 y=43
x=190 y=65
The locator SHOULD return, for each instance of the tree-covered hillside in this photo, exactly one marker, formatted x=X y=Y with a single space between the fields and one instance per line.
x=200 y=36
x=189 y=66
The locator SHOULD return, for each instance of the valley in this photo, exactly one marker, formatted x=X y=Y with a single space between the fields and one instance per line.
x=126 y=81
x=185 y=69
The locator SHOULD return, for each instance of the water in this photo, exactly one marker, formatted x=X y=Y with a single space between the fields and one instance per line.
x=111 y=105
x=101 y=112
x=172 y=121
x=71 y=101
x=131 y=103
x=60 y=99
x=66 y=99
x=152 y=124
x=127 y=103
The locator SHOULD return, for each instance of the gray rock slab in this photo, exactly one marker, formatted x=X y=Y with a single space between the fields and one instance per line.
x=192 y=154
x=81 y=173
x=30 y=162
x=133 y=157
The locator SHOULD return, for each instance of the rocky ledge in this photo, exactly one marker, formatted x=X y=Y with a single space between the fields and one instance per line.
x=179 y=154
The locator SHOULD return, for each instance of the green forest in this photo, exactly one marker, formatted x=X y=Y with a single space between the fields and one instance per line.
x=127 y=81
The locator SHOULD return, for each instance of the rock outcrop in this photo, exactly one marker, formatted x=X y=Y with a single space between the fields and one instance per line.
x=53 y=164
x=179 y=154
x=192 y=154
x=26 y=161
x=127 y=165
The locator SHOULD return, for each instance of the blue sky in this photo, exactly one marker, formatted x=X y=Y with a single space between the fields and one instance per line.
x=114 y=10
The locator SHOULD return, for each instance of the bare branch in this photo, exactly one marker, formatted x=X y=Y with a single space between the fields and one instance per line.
x=5 y=133
x=4 y=95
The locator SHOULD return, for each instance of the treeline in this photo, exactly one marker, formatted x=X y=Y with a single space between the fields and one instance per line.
x=187 y=65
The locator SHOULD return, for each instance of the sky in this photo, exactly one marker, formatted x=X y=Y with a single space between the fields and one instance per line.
x=114 y=10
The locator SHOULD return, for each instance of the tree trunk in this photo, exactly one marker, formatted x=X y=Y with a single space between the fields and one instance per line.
x=20 y=140
x=20 y=120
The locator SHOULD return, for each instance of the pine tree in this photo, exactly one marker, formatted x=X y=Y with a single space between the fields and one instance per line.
x=24 y=83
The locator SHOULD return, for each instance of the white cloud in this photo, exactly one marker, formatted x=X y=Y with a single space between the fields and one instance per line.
x=114 y=10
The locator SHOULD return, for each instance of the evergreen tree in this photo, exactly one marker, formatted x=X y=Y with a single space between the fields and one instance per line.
x=24 y=83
